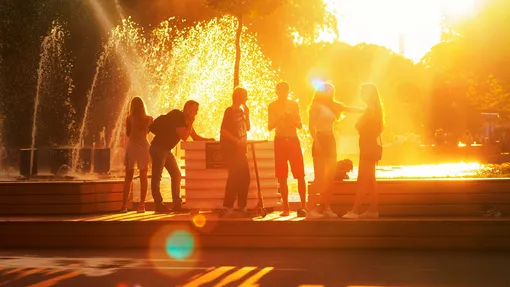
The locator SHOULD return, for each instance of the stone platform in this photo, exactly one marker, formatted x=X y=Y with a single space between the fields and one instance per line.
x=456 y=197
x=206 y=231
x=60 y=197
x=398 y=197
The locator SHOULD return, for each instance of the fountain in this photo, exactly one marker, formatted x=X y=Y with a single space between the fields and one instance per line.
x=54 y=87
x=166 y=67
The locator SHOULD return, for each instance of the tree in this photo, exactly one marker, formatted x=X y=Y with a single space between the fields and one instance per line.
x=489 y=96
x=242 y=9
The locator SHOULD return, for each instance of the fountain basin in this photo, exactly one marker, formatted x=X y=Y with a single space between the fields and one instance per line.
x=428 y=197
x=90 y=159
x=24 y=162
x=60 y=197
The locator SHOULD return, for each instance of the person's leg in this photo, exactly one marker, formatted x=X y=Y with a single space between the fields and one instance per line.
x=175 y=176
x=143 y=190
x=329 y=179
x=128 y=179
x=372 y=189
x=244 y=179
x=360 y=190
x=281 y=172
x=230 y=185
x=297 y=167
x=284 y=192
x=158 y=160
x=363 y=171
x=315 y=196
x=302 y=191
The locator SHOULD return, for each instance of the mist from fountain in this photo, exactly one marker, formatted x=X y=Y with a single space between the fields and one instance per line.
x=54 y=86
x=170 y=66
x=165 y=67
x=80 y=143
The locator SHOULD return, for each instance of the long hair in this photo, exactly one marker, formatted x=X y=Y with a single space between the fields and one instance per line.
x=137 y=108
x=370 y=95
x=325 y=95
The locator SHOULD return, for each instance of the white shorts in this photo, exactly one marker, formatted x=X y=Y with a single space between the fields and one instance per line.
x=137 y=155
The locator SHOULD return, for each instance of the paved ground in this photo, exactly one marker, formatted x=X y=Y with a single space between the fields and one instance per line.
x=253 y=268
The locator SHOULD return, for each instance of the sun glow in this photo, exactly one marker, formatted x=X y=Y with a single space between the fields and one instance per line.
x=407 y=27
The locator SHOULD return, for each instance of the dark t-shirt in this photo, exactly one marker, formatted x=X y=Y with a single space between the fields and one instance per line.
x=233 y=122
x=165 y=127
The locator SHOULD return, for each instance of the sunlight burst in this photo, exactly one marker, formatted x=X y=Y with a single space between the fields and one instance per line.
x=406 y=27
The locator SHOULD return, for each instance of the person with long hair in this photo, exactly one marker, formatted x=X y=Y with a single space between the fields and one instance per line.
x=233 y=139
x=324 y=111
x=137 y=151
x=370 y=126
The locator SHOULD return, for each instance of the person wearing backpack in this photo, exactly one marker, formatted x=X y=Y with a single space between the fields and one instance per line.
x=169 y=130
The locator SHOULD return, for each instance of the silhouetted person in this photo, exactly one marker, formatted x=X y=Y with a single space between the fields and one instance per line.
x=234 y=126
x=324 y=112
x=137 y=151
x=283 y=117
x=439 y=137
x=370 y=126
x=467 y=138
x=169 y=130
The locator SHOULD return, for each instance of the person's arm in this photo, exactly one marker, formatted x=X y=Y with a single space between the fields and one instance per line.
x=128 y=127
x=353 y=109
x=196 y=137
x=149 y=123
x=271 y=119
x=229 y=136
x=183 y=128
x=298 y=124
x=184 y=132
x=247 y=117
x=312 y=118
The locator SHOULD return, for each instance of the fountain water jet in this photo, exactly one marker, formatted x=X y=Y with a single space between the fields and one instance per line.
x=196 y=63
x=53 y=67
x=99 y=64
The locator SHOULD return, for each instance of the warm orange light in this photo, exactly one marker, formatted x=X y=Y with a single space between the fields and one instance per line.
x=387 y=23
x=199 y=220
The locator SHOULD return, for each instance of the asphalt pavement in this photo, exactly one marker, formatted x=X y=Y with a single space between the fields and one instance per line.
x=279 y=268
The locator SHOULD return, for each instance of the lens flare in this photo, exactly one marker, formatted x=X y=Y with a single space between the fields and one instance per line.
x=318 y=84
x=180 y=245
x=199 y=220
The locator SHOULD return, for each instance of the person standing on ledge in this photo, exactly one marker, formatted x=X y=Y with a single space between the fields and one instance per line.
x=137 y=151
x=370 y=126
x=284 y=118
x=234 y=126
x=324 y=112
x=169 y=130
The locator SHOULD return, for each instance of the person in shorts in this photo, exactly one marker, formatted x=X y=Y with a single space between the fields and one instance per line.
x=137 y=151
x=284 y=118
